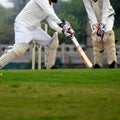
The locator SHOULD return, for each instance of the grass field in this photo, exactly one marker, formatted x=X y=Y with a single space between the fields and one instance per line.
x=65 y=94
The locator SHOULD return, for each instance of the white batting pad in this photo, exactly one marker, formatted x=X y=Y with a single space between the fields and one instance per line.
x=12 y=54
x=50 y=61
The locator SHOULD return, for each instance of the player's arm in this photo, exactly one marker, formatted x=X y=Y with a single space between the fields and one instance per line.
x=90 y=12
x=102 y=25
x=62 y=27
x=105 y=11
x=54 y=24
x=48 y=9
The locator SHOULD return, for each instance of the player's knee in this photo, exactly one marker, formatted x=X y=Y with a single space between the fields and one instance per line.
x=110 y=37
x=20 y=49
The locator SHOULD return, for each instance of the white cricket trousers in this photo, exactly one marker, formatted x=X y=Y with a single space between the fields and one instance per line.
x=26 y=35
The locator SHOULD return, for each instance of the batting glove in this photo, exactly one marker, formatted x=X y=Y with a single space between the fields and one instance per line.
x=101 y=31
x=95 y=28
x=67 y=30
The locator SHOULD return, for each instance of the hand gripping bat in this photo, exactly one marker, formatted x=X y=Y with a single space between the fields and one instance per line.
x=68 y=31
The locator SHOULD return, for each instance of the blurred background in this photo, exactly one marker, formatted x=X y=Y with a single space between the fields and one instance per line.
x=67 y=56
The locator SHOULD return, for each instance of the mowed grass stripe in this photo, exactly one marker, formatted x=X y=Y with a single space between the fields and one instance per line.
x=62 y=76
x=78 y=94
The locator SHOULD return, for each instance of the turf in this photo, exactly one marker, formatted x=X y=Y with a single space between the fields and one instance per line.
x=65 y=94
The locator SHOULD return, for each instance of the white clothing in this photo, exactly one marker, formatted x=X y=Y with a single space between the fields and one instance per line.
x=100 y=11
x=25 y=35
x=29 y=19
x=27 y=28
x=35 y=12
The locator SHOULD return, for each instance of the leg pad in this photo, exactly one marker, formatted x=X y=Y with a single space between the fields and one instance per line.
x=13 y=53
x=51 y=55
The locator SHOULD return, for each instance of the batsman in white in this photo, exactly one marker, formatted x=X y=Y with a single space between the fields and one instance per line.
x=26 y=30
x=101 y=18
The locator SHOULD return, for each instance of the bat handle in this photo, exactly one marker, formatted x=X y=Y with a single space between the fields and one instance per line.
x=75 y=41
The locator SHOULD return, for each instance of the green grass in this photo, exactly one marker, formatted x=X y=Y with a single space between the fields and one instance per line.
x=65 y=94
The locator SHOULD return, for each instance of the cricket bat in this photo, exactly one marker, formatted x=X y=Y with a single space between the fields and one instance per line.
x=82 y=54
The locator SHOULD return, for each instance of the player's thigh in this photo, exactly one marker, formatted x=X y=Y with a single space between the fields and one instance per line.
x=22 y=34
x=42 y=37
x=98 y=46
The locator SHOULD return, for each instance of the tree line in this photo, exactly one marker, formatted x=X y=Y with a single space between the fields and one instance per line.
x=73 y=11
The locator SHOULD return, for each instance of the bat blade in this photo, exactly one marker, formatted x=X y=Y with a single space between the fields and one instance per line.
x=82 y=54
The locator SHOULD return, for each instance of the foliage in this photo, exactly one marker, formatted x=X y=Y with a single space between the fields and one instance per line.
x=72 y=10
x=75 y=12
x=116 y=6
x=18 y=4
x=6 y=25
x=7 y=21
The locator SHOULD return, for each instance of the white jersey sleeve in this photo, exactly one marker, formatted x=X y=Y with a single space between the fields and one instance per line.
x=98 y=11
x=35 y=12
x=52 y=18
x=106 y=11
x=54 y=25
x=44 y=4
x=90 y=12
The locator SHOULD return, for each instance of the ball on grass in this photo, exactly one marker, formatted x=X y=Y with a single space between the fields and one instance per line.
x=1 y=74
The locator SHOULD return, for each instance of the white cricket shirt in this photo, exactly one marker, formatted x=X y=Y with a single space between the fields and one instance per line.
x=98 y=11
x=35 y=12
